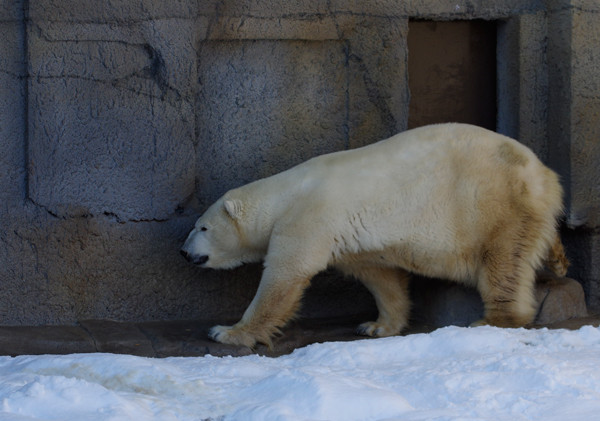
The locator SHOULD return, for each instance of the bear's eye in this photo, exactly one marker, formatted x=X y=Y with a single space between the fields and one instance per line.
x=203 y=228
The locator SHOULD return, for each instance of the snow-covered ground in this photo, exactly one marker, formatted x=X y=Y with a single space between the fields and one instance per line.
x=453 y=373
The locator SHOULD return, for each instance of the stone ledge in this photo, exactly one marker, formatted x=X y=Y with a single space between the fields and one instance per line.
x=20 y=340
x=118 y=337
x=189 y=338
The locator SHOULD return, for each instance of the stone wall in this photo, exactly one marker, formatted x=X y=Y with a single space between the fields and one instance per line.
x=574 y=130
x=120 y=122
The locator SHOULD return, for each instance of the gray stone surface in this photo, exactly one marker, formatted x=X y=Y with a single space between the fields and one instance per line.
x=109 y=131
x=574 y=106
x=573 y=126
x=585 y=115
x=560 y=299
x=522 y=80
x=249 y=112
x=120 y=121
x=12 y=106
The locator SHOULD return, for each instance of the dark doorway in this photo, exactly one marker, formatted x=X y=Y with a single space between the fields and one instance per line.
x=452 y=72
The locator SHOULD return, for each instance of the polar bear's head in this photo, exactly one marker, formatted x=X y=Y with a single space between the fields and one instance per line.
x=217 y=241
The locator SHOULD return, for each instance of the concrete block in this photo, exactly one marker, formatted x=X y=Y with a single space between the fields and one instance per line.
x=265 y=106
x=585 y=118
x=110 y=132
x=12 y=114
x=574 y=107
x=522 y=81
x=121 y=151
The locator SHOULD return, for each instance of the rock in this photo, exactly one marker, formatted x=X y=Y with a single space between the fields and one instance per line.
x=560 y=299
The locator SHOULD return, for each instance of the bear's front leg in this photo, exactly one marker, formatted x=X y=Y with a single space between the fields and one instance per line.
x=275 y=303
x=294 y=256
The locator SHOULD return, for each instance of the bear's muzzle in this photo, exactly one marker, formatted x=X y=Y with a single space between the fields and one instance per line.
x=197 y=260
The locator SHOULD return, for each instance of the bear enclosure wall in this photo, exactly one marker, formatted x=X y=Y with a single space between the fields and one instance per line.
x=120 y=122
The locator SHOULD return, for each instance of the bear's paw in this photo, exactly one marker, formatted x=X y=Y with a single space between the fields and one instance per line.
x=231 y=335
x=377 y=330
x=480 y=322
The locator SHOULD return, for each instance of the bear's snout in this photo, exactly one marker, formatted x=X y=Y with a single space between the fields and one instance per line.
x=197 y=260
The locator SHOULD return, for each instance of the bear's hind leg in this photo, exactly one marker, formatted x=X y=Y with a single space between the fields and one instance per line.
x=389 y=286
x=506 y=284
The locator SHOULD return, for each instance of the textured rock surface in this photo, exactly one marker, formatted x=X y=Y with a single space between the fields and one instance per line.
x=121 y=121
x=560 y=299
x=258 y=110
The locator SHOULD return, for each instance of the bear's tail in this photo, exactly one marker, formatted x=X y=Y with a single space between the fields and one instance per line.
x=557 y=260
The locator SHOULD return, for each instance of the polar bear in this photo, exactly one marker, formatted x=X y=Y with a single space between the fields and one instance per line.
x=449 y=201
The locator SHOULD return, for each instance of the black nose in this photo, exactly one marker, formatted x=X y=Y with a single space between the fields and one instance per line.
x=197 y=260
x=200 y=260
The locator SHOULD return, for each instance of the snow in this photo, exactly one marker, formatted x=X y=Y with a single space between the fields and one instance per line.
x=482 y=373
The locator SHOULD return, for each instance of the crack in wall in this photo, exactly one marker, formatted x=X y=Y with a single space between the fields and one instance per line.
x=376 y=97
x=107 y=214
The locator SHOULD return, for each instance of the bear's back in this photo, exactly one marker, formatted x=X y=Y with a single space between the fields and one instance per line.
x=428 y=159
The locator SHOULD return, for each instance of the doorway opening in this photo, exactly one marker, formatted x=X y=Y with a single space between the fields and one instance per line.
x=452 y=72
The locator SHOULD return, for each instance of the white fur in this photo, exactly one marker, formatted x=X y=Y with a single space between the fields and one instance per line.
x=451 y=201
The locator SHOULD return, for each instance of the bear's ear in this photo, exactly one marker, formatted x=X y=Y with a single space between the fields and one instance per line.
x=234 y=208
